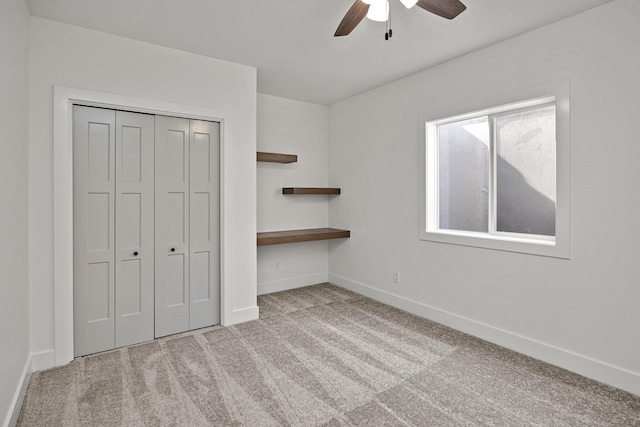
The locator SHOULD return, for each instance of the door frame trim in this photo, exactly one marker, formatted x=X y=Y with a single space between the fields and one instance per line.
x=63 y=100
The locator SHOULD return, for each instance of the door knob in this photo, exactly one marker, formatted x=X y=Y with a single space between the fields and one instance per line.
x=135 y=253
x=173 y=249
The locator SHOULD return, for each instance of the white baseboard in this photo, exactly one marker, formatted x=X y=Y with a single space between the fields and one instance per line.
x=43 y=360
x=18 y=397
x=583 y=365
x=292 y=283
x=242 y=315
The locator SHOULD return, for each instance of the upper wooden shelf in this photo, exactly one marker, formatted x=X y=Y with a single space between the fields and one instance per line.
x=276 y=157
x=306 y=235
x=310 y=190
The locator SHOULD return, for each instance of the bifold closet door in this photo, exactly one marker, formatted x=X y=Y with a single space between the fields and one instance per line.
x=113 y=228
x=204 y=232
x=134 y=263
x=187 y=225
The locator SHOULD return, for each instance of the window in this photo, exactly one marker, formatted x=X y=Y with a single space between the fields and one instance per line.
x=498 y=178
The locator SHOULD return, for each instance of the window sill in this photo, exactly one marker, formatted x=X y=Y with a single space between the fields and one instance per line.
x=548 y=248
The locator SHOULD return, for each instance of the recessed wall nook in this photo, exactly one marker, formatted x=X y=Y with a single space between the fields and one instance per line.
x=304 y=235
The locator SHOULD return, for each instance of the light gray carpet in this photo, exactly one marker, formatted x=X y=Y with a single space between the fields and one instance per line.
x=321 y=356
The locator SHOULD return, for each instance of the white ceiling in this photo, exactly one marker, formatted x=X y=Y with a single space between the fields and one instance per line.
x=291 y=42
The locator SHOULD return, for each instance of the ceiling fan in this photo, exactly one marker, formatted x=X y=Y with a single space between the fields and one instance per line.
x=378 y=10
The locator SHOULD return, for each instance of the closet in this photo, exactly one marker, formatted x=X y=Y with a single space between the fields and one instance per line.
x=146 y=227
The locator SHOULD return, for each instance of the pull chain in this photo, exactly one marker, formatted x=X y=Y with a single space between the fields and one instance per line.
x=389 y=31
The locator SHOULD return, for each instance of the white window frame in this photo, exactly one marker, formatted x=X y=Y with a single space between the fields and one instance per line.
x=558 y=246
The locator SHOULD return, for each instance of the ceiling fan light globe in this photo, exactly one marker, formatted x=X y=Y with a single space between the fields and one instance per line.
x=408 y=3
x=378 y=11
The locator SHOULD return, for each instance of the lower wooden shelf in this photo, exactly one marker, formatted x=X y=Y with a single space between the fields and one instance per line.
x=307 y=235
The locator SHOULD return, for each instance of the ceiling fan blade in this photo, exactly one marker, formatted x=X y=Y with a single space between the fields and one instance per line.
x=446 y=8
x=353 y=17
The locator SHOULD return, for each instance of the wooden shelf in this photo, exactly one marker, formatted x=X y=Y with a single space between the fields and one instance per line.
x=294 y=236
x=276 y=157
x=310 y=190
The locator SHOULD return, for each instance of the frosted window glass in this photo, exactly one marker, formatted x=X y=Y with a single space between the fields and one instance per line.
x=526 y=172
x=463 y=164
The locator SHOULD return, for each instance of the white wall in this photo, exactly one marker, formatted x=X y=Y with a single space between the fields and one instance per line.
x=292 y=127
x=74 y=57
x=580 y=313
x=14 y=193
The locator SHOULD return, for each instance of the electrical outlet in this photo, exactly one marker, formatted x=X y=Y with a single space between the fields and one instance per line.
x=396 y=277
x=277 y=265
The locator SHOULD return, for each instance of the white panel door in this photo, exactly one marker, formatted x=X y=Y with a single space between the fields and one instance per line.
x=113 y=229
x=172 y=226
x=134 y=256
x=93 y=230
x=204 y=227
